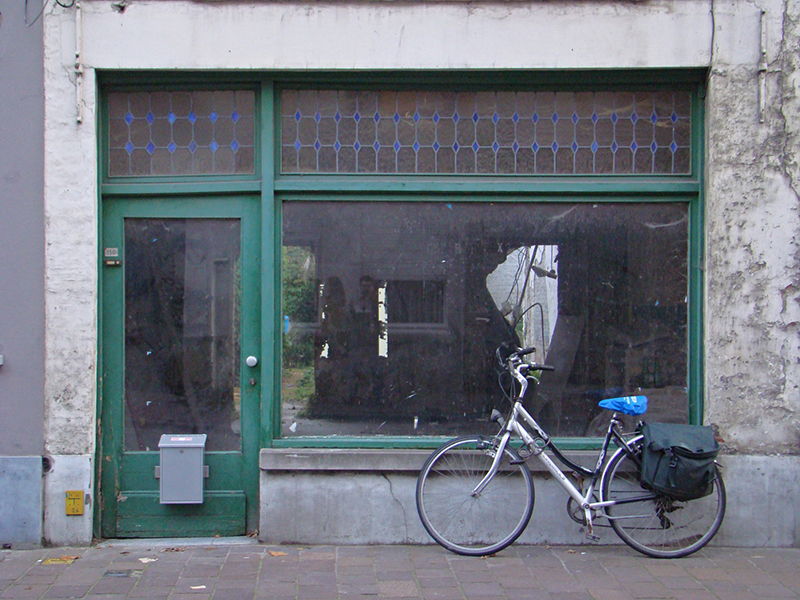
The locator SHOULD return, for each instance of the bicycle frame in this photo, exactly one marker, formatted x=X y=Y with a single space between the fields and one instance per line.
x=537 y=445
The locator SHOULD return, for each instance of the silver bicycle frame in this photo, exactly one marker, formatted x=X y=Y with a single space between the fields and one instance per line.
x=513 y=426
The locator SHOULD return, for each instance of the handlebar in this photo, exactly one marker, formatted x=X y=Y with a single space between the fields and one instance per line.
x=510 y=357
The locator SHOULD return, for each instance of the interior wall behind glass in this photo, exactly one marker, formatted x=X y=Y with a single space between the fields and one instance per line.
x=393 y=311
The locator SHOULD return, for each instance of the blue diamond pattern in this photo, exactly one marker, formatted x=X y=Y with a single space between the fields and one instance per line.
x=192 y=117
x=416 y=117
x=535 y=147
x=554 y=147
x=172 y=147
x=594 y=146
x=456 y=146
x=213 y=117
x=614 y=117
x=535 y=117
x=634 y=146
x=674 y=147
x=397 y=146
x=150 y=118
x=377 y=146
x=192 y=147
x=337 y=146
x=435 y=146
x=129 y=118
x=129 y=147
x=235 y=117
x=515 y=118
x=475 y=146
x=396 y=118
x=171 y=118
x=297 y=145
x=653 y=146
x=436 y=117
x=515 y=147
x=674 y=118
x=357 y=146
x=475 y=117
x=234 y=145
x=416 y=146
x=317 y=145
x=595 y=118
x=357 y=117
x=214 y=146
x=654 y=118
x=317 y=117
x=574 y=146
x=151 y=147
x=614 y=147
x=634 y=117
x=377 y=117
x=495 y=147
x=337 y=117
x=574 y=118
x=495 y=118
x=555 y=118
x=297 y=116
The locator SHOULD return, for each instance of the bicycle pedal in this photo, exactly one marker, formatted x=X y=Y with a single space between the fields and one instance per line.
x=592 y=537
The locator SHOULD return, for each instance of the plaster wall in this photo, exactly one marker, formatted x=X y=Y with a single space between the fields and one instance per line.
x=752 y=172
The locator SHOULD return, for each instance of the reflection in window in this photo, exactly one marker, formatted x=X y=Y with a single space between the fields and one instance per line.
x=182 y=331
x=393 y=310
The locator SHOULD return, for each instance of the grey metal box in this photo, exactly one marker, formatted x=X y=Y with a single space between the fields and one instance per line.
x=181 y=471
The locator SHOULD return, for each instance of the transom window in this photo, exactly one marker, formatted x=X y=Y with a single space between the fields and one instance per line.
x=522 y=133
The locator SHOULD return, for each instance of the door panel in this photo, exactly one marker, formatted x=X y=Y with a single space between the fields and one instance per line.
x=180 y=313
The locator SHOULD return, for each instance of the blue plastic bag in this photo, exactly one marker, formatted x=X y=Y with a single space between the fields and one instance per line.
x=630 y=405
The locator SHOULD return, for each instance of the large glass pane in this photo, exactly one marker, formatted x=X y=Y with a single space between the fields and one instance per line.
x=393 y=310
x=182 y=326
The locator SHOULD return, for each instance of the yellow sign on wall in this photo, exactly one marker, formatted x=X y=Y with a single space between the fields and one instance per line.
x=75 y=502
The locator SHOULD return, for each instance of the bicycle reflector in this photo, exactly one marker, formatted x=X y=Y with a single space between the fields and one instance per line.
x=630 y=405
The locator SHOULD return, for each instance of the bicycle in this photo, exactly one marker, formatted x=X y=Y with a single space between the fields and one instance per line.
x=475 y=494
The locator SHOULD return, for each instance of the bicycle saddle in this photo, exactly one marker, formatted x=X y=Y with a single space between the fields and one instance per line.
x=630 y=405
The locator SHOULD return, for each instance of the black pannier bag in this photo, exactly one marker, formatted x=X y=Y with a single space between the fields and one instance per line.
x=678 y=460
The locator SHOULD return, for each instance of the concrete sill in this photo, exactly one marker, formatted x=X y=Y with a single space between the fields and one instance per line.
x=370 y=460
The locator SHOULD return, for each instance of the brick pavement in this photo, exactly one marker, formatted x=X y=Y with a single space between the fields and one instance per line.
x=238 y=570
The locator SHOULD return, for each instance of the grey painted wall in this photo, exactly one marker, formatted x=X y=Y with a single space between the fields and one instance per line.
x=21 y=231
x=21 y=275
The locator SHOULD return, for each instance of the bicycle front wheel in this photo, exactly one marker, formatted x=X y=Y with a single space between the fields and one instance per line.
x=474 y=524
x=656 y=525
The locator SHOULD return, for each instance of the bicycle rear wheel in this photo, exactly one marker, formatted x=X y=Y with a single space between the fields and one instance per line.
x=474 y=525
x=656 y=525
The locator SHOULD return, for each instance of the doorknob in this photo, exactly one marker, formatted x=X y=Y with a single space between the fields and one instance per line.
x=251 y=361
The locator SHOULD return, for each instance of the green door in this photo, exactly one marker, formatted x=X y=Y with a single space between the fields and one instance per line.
x=181 y=325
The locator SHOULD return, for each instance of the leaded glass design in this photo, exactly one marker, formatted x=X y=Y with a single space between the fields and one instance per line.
x=523 y=133
x=181 y=133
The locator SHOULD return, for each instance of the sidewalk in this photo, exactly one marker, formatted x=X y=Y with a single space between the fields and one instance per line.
x=239 y=569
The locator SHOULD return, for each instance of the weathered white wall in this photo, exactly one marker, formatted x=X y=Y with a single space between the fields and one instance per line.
x=753 y=228
x=751 y=193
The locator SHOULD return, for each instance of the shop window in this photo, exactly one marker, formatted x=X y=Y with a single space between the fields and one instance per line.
x=392 y=312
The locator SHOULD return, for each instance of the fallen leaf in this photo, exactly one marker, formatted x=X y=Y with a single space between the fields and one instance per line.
x=276 y=553
x=61 y=560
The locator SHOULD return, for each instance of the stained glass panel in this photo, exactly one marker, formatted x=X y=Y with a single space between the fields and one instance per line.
x=181 y=133
x=522 y=133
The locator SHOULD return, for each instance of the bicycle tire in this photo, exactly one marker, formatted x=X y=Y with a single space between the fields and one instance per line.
x=659 y=527
x=474 y=525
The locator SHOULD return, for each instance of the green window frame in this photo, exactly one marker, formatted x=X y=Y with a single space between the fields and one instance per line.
x=276 y=187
